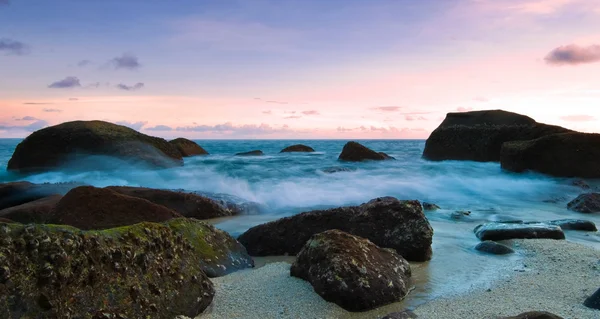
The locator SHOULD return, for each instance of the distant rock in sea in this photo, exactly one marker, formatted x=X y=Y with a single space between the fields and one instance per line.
x=251 y=153
x=188 y=148
x=297 y=148
x=356 y=152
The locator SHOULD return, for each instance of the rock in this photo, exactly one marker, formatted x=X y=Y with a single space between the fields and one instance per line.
x=146 y=270
x=460 y=214
x=17 y=193
x=593 y=301
x=387 y=222
x=331 y=170
x=493 y=248
x=535 y=315
x=574 y=224
x=581 y=184
x=187 y=204
x=504 y=231
x=298 y=148
x=586 y=203
x=88 y=207
x=5 y=220
x=38 y=211
x=251 y=153
x=479 y=135
x=55 y=146
x=406 y=314
x=564 y=155
x=351 y=271
x=430 y=206
x=355 y=152
x=188 y=148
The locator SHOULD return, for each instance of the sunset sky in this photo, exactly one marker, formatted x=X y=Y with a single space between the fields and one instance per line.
x=296 y=68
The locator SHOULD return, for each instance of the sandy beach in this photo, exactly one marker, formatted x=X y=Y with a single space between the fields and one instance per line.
x=554 y=276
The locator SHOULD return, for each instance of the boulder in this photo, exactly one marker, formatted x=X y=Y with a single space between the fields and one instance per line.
x=593 y=301
x=298 y=148
x=17 y=193
x=145 y=270
x=565 y=155
x=535 y=315
x=88 y=207
x=586 y=203
x=493 y=248
x=504 y=231
x=355 y=152
x=351 y=271
x=187 y=204
x=387 y=222
x=251 y=153
x=187 y=148
x=430 y=206
x=479 y=135
x=38 y=211
x=574 y=224
x=55 y=146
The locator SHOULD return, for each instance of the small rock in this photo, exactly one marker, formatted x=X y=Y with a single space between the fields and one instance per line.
x=331 y=170
x=586 y=203
x=504 y=231
x=460 y=214
x=494 y=248
x=251 y=153
x=298 y=148
x=430 y=206
x=355 y=152
x=593 y=301
x=574 y=224
x=535 y=315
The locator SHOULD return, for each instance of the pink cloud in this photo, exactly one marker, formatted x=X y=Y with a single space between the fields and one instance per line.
x=573 y=54
x=578 y=118
x=464 y=109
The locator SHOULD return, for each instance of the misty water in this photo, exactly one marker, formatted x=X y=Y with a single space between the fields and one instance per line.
x=286 y=184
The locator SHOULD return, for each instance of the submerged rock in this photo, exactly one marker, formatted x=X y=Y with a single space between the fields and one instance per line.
x=460 y=214
x=54 y=146
x=355 y=152
x=574 y=224
x=586 y=203
x=430 y=206
x=298 y=148
x=351 y=271
x=479 y=135
x=493 y=248
x=187 y=204
x=504 y=231
x=535 y=315
x=593 y=301
x=251 y=153
x=387 y=222
x=187 y=148
x=566 y=155
x=331 y=170
x=37 y=211
x=142 y=271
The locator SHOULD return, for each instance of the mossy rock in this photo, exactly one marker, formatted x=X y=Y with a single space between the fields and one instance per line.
x=55 y=146
x=188 y=148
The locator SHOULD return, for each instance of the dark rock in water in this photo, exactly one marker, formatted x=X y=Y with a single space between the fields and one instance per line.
x=88 y=207
x=586 y=203
x=574 y=224
x=430 y=206
x=52 y=147
x=251 y=153
x=494 y=248
x=504 y=231
x=566 y=155
x=479 y=135
x=297 y=148
x=387 y=222
x=331 y=170
x=351 y=271
x=581 y=184
x=406 y=314
x=17 y=193
x=188 y=148
x=460 y=214
x=593 y=301
x=355 y=152
x=535 y=315
x=142 y=271
x=187 y=204
x=38 y=211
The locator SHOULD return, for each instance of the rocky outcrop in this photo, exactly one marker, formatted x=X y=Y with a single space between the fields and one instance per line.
x=535 y=315
x=574 y=224
x=351 y=271
x=479 y=135
x=71 y=142
x=142 y=271
x=17 y=193
x=88 y=207
x=187 y=204
x=593 y=301
x=493 y=248
x=387 y=222
x=504 y=231
x=355 y=152
x=297 y=148
x=586 y=203
x=564 y=155
x=38 y=211
x=251 y=153
x=187 y=148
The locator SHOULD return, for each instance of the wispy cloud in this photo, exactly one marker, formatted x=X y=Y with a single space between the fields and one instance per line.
x=136 y=126
x=84 y=63
x=277 y=102
x=573 y=54
x=29 y=127
x=481 y=99
x=160 y=128
x=134 y=87
x=37 y=103
x=27 y=118
x=267 y=112
x=464 y=109
x=73 y=99
x=578 y=118
x=52 y=110
x=66 y=83
x=311 y=112
x=387 y=108
x=292 y=117
x=13 y=47
x=126 y=61
x=229 y=128
x=415 y=118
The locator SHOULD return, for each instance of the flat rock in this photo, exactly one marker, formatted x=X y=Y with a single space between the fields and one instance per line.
x=574 y=224
x=352 y=271
x=188 y=148
x=387 y=222
x=585 y=203
x=355 y=152
x=251 y=153
x=17 y=193
x=504 y=231
x=535 y=315
x=37 y=211
x=298 y=148
x=494 y=248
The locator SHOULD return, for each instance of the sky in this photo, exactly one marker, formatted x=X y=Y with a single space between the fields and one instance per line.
x=296 y=69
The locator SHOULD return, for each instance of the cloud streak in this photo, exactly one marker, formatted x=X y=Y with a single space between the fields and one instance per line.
x=13 y=47
x=66 y=83
x=229 y=128
x=29 y=128
x=311 y=112
x=134 y=87
x=578 y=118
x=136 y=126
x=160 y=128
x=125 y=61
x=573 y=55
x=387 y=108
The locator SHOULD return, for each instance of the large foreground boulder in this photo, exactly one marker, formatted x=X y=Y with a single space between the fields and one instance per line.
x=17 y=193
x=351 y=271
x=564 y=155
x=504 y=231
x=356 y=152
x=188 y=148
x=38 y=211
x=586 y=203
x=479 y=135
x=142 y=271
x=54 y=146
x=297 y=148
x=387 y=222
x=187 y=204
